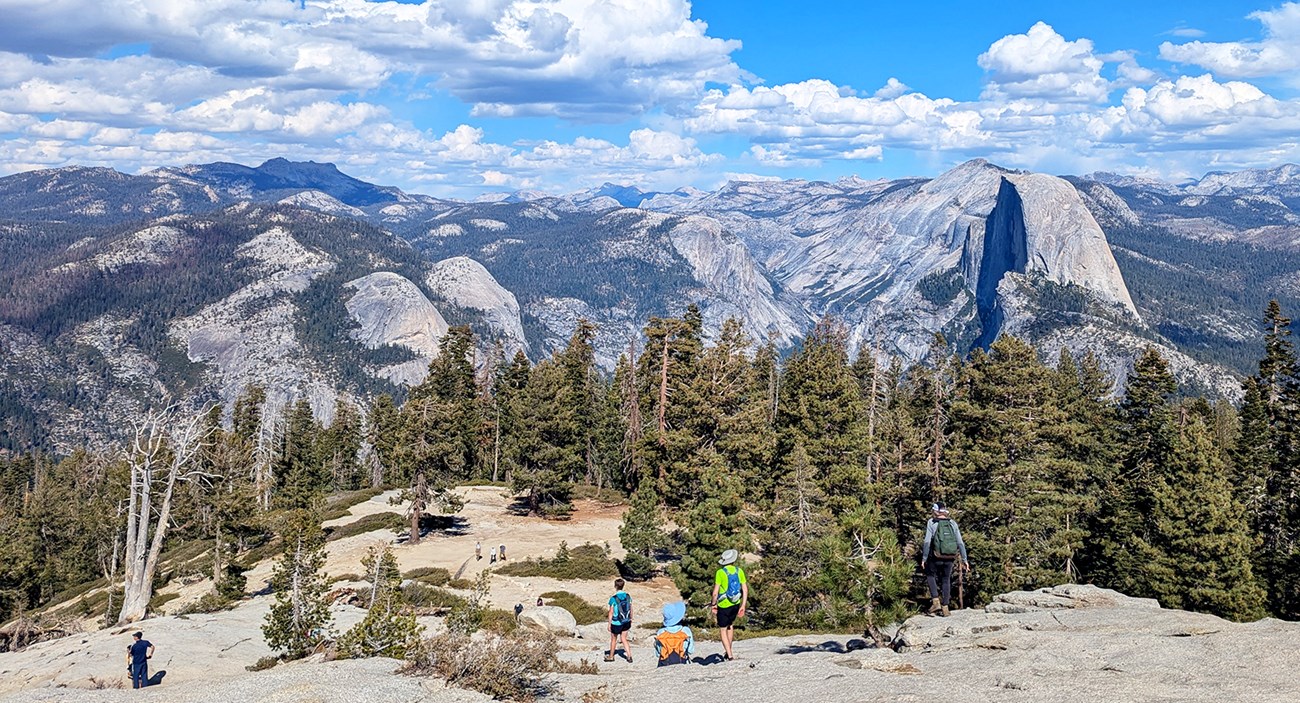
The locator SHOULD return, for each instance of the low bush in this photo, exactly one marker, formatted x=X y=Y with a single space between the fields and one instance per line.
x=585 y=613
x=588 y=562
x=211 y=602
x=510 y=667
x=263 y=664
x=460 y=584
x=502 y=622
x=339 y=504
x=369 y=523
x=432 y=575
x=162 y=599
x=425 y=597
x=347 y=577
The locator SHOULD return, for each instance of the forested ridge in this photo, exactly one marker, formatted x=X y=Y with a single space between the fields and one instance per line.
x=819 y=467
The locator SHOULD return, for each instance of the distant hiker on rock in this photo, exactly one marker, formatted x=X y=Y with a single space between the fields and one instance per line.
x=730 y=596
x=620 y=621
x=492 y=556
x=540 y=603
x=137 y=660
x=942 y=546
x=478 y=551
x=503 y=552
x=519 y=610
x=674 y=642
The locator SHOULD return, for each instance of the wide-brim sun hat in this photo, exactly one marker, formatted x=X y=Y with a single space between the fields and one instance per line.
x=729 y=557
x=674 y=613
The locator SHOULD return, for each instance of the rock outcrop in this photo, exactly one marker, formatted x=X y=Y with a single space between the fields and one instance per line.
x=466 y=283
x=392 y=310
x=549 y=618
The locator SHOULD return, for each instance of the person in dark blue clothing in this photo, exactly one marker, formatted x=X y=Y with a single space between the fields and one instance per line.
x=137 y=660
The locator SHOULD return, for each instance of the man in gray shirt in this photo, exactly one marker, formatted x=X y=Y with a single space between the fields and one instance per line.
x=941 y=548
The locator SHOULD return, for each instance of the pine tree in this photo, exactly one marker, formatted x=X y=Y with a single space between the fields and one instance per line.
x=300 y=618
x=383 y=429
x=1020 y=496
x=340 y=446
x=713 y=524
x=1146 y=435
x=642 y=532
x=821 y=409
x=864 y=575
x=789 y=592
x=299 y=471
x=389 y=628
x=1196 y=548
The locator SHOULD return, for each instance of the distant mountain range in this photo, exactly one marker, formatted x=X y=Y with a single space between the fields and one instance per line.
x=116 y=290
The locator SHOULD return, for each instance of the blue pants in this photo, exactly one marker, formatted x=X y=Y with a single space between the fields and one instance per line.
x=139 y=675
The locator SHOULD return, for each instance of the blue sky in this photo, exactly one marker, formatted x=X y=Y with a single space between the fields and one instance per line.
x=460 y=97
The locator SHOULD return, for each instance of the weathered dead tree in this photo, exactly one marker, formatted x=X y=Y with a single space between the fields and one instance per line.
x=162 y=453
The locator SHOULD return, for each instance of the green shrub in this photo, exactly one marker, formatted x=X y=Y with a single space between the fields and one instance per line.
x=369 y=523
x=162 y=599
x=432 y=575
x=505 y=667
x=585 y=613
x=460 y=584
x=211 y=602
x=263 y=664
x=346 y=577
x=502 y=622
x=424 y=596
x=589 y=562
x=340 y=504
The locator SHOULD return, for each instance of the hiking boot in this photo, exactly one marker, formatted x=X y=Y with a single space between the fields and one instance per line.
x=629 y=658
x=935 y=606
x=943 y=613
x=609 y=657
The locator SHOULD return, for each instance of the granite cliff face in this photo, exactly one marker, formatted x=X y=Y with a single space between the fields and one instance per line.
x=468 y=283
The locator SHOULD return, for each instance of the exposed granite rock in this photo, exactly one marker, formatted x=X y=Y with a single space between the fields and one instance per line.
x=392 y=310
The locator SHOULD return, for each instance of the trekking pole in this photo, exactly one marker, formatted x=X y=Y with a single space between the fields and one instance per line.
x=961 y=589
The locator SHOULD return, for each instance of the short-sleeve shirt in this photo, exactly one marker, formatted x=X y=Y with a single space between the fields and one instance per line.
x=139 y=651
x=613 y=603
x=721 y=578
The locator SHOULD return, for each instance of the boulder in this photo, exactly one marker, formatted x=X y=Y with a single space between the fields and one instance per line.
x=549 y=618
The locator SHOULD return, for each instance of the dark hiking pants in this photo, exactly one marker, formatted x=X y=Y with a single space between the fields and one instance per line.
x=139 y=675
x=938 y=574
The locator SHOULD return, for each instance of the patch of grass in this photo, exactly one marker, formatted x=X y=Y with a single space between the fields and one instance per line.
x=263 y=664
x=432 y=575
x=68 y=594
x=585 y=613
x=588 y=562
x=369 y=523
x=211 y=602
x=460 y=584
x=502 y=622
x=420 y=595
x=162 y=599
x=346 y=577
x=338 y=505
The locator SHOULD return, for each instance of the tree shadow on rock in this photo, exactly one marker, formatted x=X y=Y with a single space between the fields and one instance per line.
x=829 y=646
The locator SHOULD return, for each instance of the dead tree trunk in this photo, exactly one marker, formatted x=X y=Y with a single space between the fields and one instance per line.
x=161 y=443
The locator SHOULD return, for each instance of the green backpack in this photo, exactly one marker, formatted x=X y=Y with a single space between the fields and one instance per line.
x=945 y=540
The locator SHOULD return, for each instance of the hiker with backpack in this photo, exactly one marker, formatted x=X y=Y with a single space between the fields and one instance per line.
x=730 y=596
x=940 y=550
x=620 y=621
x=674 y=642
